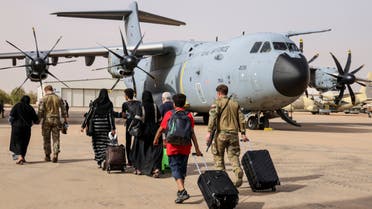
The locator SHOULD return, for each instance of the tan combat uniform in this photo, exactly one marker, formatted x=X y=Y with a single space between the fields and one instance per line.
x=231 y=122
x=49 y=111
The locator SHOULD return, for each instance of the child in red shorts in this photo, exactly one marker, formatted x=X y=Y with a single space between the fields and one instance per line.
x=178 y=154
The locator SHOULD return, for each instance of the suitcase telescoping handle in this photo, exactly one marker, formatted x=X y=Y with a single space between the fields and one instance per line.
x=249 y=145
x=196 y=162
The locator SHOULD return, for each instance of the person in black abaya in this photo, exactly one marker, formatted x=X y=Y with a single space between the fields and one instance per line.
x=147 y=157
x=22 y=117
x=101 y=115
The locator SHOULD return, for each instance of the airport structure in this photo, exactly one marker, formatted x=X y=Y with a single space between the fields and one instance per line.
x=81 y=92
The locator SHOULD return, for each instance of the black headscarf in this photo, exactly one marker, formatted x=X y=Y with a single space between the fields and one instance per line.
x=25 y=104
x=23 y=112
x=147 y=97
x=102 y=103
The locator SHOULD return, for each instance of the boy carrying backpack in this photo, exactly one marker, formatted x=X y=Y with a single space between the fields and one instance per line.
x=179 y=125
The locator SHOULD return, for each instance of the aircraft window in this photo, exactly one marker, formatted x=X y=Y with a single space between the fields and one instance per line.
x=266 y=47
x=280 y=46
x=292 y=47
x=256 y=47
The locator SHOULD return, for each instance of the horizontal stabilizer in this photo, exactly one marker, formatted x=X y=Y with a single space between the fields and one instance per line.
x=119 y=15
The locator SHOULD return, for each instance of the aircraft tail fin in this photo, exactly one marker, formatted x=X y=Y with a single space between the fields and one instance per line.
x=132 y=17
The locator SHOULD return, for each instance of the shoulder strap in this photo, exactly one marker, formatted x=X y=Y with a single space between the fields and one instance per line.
x=224 y=107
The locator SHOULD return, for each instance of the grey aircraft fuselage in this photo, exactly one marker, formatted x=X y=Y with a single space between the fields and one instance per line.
x=266 y=80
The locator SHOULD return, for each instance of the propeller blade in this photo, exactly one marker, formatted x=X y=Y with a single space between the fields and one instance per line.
x=134 y=85
x=335 y=76
x=37 y=47
x=4 y=68
x=123 y=42
x=146 y=73
x=135 y=48
x=339 y=98
x=102 y=68
x=21 y=51
x=117 y=55
x=64 y=62
x=362 y=84
x=355 y=71
x=313 y=58
x=348 y=62
x=58 y=79
x=364 y=80
x=116 y=83
x=339 y=68
x=21 y=85
x=52 y=48
x=41 y=86
x=352 y=95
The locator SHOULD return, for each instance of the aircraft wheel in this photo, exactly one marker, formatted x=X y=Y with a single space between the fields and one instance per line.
x=264 y=123
x=252 y=123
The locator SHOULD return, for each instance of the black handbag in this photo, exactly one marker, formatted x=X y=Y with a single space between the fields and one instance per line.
x=135 y=127
x=90 y=128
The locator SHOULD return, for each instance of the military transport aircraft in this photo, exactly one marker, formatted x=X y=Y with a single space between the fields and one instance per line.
x=37 y=62
x=265 y=71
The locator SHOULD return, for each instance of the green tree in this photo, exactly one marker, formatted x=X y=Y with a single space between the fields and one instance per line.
x=4 y=97
x=33 y=97
x=16 y=96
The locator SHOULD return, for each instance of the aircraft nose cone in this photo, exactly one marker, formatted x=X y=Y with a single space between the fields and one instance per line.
x=291 y=75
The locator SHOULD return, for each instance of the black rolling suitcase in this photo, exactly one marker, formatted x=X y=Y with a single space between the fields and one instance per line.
x=217 y=188
x=260 y=170
x=115 y=158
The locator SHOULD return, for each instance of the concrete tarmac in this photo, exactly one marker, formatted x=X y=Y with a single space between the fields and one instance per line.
x=326 y=163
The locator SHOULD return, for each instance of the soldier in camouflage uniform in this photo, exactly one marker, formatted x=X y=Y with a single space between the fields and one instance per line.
x=230 y=123
x=49 y=111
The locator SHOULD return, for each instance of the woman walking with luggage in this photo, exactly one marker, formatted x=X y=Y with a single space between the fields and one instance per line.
x=100 y=118
x=146 y=157
x=21 y=117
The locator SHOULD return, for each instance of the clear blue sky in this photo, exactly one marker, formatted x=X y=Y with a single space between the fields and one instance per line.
x=350 y=22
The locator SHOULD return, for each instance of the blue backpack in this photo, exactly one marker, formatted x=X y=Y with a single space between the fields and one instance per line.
x=179 y=128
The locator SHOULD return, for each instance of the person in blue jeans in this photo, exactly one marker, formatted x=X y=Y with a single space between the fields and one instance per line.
x=178 y=154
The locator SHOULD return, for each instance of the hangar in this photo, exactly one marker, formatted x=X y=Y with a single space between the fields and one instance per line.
x=81 y=92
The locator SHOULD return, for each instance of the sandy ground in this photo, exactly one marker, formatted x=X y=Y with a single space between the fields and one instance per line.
x=324 y=164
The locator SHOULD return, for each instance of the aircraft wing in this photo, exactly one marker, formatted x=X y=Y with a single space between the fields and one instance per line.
x=143 y=50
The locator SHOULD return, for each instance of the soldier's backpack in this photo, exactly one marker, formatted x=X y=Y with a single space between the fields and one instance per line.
x=179 y=128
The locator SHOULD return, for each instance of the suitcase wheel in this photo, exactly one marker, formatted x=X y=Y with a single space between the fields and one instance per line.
x=108 y=169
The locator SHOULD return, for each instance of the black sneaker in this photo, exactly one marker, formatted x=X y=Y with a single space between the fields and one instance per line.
x=182 y=196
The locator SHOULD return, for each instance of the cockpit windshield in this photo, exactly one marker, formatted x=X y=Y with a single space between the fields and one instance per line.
x=285 y=46
x=280 y=46
x=292 y=47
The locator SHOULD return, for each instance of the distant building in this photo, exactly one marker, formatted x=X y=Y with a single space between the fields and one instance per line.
x=83 y=91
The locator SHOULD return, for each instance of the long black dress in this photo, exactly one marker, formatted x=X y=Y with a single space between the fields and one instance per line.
x=102 y=115
x=22 y=116
x=146 y=157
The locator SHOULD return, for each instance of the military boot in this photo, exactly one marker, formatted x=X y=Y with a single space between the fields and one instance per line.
x=55 y=158
x=47 y=158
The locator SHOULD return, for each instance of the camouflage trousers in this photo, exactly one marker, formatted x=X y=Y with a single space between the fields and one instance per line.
x=51 y=126
x=230 y=143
